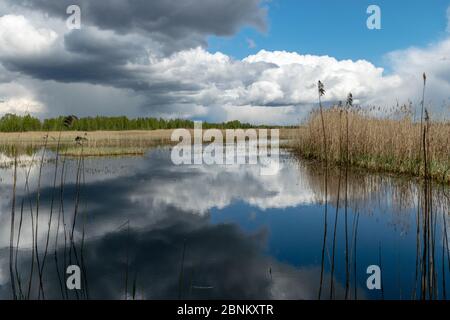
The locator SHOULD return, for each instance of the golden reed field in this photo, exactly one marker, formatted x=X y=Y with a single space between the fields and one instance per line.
x=97 y=143
x=382 y=144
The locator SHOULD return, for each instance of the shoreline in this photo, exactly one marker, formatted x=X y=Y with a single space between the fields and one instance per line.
x=375 y=168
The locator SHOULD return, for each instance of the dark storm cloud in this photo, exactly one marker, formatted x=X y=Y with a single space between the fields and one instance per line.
x=62 y=69
x=118 y=40
x=85 y=56
x=113 y=50
x=124 y=62
x=6 y=76
x=89 y=56
x=186 y=22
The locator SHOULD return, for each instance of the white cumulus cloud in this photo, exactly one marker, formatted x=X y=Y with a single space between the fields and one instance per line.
x=19 y=37
x=267 y=80
x=434 y=60
x=21 y=105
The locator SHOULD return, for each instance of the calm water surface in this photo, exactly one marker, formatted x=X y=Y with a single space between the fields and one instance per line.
x=147 y=229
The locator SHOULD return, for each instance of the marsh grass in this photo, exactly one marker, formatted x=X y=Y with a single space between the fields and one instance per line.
x=394 y=144
x=103 y=152
x=39 y=257
x=377 y=144
x=28 y=142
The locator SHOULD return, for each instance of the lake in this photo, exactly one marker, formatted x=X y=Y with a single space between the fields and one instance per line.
x=144 y=228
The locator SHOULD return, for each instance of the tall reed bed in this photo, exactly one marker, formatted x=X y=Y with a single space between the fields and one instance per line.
x=374 y=142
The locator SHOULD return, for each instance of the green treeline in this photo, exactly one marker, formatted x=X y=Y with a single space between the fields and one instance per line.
x=15 y=123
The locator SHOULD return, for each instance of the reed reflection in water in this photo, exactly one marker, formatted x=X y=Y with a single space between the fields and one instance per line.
x=142 y=228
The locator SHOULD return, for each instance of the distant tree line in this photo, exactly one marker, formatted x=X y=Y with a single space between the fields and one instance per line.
x=16 y=123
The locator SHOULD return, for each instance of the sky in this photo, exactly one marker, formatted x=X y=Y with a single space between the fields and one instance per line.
x=338 y=28
x=256 y=61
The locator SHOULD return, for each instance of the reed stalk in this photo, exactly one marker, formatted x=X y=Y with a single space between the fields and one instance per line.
x=321 y=93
